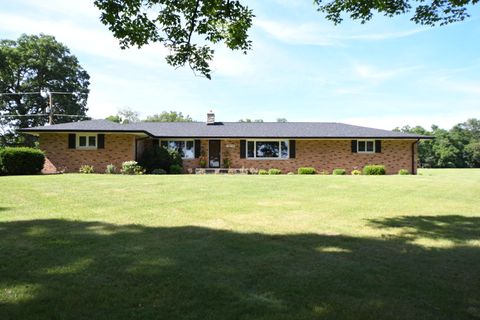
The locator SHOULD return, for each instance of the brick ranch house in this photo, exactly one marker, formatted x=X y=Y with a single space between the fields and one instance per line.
x=286 y=146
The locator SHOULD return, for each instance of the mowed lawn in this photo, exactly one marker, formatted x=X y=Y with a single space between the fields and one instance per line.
x=240 y=247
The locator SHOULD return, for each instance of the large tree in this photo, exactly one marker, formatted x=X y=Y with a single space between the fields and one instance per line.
x=188 y=28
x=33 y=64
x=169 y=116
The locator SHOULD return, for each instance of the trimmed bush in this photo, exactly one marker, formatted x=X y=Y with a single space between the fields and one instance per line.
x=262 y=172
x=86 y=169
x=374 y=170
x=111 y=169
x=16 y=161
x=356 y=172
x=175 y=169
x=131 y=167
x=339 y=172
x=274 y=171
x=157 y=157
x=306 y=170
x=158 y=171
x=403 y=172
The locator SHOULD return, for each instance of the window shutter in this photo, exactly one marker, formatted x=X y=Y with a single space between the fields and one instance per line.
x=101 y=141
x=292 y=148
x=243 y=150
x=197 y=148
x=378 y=146
x=72 y=137
x=354 y=146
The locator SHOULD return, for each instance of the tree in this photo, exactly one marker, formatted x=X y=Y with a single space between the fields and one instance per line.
x=188 y=28
x=31 y=64
x=250 y=120
x=169 y=116
x=128 y=115
x=114 y=118
x=282 y=120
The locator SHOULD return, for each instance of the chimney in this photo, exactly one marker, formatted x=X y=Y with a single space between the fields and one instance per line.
x=210 y=117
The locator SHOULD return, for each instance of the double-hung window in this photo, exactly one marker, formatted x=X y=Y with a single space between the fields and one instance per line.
x=186 y=148
x=267 y=149
x=86 y=141
x=366 y=146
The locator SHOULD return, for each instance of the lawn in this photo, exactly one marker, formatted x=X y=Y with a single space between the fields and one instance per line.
x=240 y=247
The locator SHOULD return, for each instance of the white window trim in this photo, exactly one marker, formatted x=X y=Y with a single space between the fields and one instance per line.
x=78 y=135
x=270 y=158
x=366 y=140
x=185 y=141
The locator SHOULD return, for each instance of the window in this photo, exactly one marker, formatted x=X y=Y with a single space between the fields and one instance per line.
x=87 y=141
x=186 y=148
x=366 y=146
x=267 y=149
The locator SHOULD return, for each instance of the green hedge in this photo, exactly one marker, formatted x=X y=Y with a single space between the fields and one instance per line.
x=374 y=170
x=274 y=171
x=339 y=172
x=16 y=161
x=306 y=170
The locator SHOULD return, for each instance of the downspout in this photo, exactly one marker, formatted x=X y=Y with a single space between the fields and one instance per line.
x=413 y=156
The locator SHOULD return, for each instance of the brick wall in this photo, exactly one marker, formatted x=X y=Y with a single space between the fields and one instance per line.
x=322 y=155
x=118 y=148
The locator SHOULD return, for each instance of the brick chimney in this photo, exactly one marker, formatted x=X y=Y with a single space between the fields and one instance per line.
x=210 y=117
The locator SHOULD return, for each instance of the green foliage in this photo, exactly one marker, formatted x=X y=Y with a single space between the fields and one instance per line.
x=282 y=120
x=157 y=157
x=115 y=118
x=374 y=170
x=128 y=115
x=175 y=169
x=472 y=152
x=306 y=170
x=21 y=160
x=86 y=169
x=158 y=171
x=131 y=168
x=171 y=116
x=356 y=172
x=274 y=171
x=339 y=172
x=430 y=13
x=30 y=64
x=111 y=169
x=184 y=27
x=250 y=120
x=262 y=172
x=403 y=172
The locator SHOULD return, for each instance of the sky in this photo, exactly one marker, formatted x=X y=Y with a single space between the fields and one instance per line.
x=386 y=73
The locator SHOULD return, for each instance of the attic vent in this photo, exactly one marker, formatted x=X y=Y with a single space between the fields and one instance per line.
x=210 y=117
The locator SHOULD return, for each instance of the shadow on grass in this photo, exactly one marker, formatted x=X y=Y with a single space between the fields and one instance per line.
x=56 y=269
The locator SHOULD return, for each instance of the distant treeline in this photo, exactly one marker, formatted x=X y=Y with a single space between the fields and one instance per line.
x=458 y=147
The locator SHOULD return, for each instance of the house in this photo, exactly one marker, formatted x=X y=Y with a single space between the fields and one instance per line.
x=286 y=146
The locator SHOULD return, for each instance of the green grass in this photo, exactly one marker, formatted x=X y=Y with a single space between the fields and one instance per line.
x=240 y=247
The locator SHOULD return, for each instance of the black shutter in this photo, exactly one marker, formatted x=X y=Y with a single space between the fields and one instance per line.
x=197 y=148
x=292 y=148
x=243 y=150
x=101 y=141
x=72 y=137
x=354 y=146
x=378 y=146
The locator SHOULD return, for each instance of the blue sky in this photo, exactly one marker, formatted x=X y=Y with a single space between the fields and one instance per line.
x=386 y=73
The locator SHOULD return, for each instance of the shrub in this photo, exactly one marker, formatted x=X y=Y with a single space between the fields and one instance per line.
x=131 y=167
x=157 y=157
x=262 y=172
x=175 y=169
x=374 y=170
x=403 y=172
x=21 y=160
x=158 y=171
x=339 y=172
x=356 y=172
x=274 y=171
x=306 y=170
x=86 y=169
x=111 y=169
x=290 y=173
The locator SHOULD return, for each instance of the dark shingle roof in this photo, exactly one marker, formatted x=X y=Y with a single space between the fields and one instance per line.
x=327 y=130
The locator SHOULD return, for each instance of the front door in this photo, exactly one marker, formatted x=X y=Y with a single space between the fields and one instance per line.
x=214 y=153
